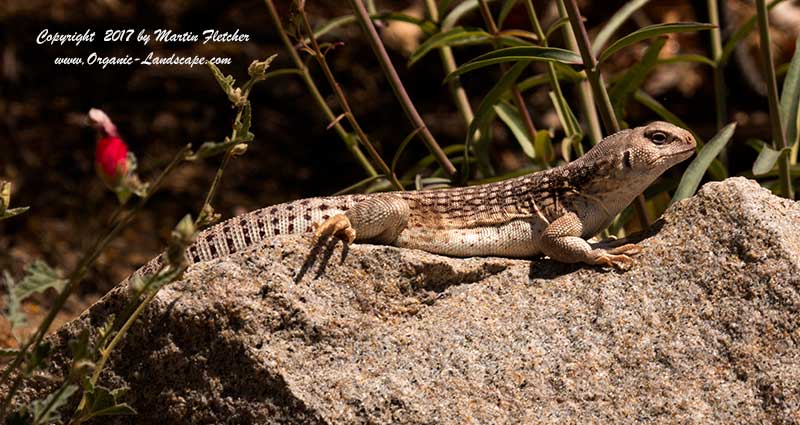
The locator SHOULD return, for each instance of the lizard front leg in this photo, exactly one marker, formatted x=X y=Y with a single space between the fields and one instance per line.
x=561 y=241
x=381 y=218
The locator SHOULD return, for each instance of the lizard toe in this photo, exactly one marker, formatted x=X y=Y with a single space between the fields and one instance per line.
x=339 y=226
x=607 y=259
x=627 y=249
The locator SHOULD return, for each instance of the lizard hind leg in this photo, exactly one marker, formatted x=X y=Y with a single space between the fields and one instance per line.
x=380 y=218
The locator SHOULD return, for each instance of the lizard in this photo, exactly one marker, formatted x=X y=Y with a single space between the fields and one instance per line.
x=551 y=212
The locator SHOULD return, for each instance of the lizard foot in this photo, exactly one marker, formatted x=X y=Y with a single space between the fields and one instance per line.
x=627 y=249
x=618 y=257
x=339 y=226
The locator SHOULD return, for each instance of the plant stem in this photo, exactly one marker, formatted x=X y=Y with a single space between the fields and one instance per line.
x=515 y=93
x=716 y=53
x=397 y=86
x=778 y=134
x=551 y=68
x=584 y=89
x=347 y=138
x=590 y=65
x=337 y=89
x=77 y=275
x=599 y=89
x=449 y=63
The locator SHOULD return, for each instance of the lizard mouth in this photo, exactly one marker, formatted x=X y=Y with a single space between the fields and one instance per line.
x=683 y=152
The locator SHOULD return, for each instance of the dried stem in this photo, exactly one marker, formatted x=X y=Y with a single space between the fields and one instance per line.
x=397 y=86
x=337 y=89
x=349 y=141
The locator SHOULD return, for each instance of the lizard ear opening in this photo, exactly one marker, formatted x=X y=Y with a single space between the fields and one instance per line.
x=626 y=160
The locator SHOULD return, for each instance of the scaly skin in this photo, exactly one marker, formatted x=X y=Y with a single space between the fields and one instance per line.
x=550 y=212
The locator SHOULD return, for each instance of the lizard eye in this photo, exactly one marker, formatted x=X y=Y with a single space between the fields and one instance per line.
x=659 y=138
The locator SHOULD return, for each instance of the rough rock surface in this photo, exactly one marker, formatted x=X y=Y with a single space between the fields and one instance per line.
x=703 y=329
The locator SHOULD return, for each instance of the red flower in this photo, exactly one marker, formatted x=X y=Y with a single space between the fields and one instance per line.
x=111 y=159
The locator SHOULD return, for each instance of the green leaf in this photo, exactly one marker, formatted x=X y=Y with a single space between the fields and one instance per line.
x=104 y=402
x=543 y=144
x=226 y=83
x=39 y=277
x=635 y=76
x=458 y=12
x=402 y=147
x=516 y=54
x=458 y=36
x=209 y=149
x=481 y=145
x=688 y=58
x=332 y=24
x=652 y=31
x=243 y=124
x=614 y=23
x=560 y=22
x=766 y=159
x=485 y=112
x=739 y=34
x=516 y=37
x=568 y=120
x=45 y=411
x=656 y=106
x=510 y=116
x=790 y=98
x=535 y=81
x=694 y=173
x=566 y=144
x=563 y=73
x=13 y=305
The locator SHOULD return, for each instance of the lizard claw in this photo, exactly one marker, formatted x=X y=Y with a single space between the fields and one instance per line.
x=620 y=261
x=339 y=226
x=619 y=257
x=628 y=249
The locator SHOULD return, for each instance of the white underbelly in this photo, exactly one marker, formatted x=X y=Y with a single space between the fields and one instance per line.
x=515 y=239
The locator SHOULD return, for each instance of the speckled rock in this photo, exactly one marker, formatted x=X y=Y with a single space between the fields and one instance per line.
x=703 y=329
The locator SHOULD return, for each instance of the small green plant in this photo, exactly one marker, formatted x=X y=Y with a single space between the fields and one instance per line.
x=90 y=355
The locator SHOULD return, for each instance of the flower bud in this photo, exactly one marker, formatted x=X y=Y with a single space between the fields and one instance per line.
x=111 y=159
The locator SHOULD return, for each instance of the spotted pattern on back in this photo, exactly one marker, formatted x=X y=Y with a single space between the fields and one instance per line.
x=246 y=230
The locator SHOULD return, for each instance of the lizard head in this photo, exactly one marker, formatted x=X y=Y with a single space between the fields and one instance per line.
x=655 y=147
x=623 y=164
x=642 y=153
